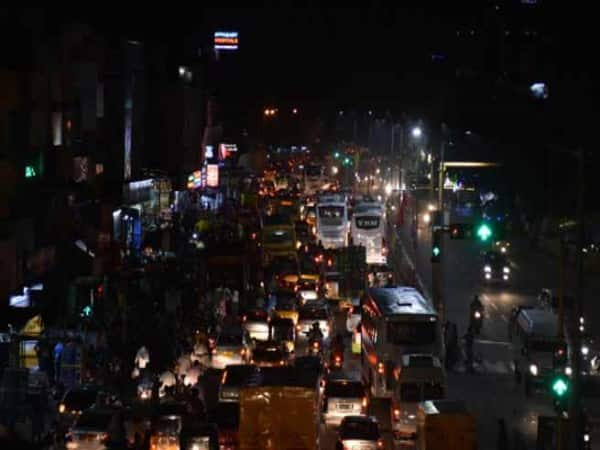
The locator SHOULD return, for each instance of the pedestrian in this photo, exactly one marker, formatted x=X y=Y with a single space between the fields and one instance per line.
x=502 y=435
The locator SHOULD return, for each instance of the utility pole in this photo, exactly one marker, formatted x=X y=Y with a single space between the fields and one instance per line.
x=437 y=268
x=575 y=405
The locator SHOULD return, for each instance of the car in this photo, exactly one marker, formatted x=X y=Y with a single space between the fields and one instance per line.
x=343 y=396
x=502 y=246
x=286 y=307
x=359 y=432
x=283 y=332
x=307 y=289
x=496 y=266
x=269 y=354
x=354 y=316
x=256 y=323
x=77 y=400
x=234 y=378
x=232 y=346
x=93 y=429
x=314 y=312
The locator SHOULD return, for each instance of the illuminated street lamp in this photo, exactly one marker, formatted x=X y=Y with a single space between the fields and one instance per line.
x=295 y=111
x=416 y=132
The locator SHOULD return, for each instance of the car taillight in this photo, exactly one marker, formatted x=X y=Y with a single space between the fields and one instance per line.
x=338 y=359
x=380 y=443
x=243 y=351
x=298 y=328
x=365 y=403
x=380 y=368
x=316 y=344
x=396 y=415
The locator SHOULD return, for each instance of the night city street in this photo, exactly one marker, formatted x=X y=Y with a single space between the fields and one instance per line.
x=299 y=227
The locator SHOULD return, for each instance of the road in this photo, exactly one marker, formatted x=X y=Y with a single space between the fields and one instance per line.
x=491 y=392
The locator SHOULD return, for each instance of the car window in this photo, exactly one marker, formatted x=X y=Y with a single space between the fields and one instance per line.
x=258 y=316
x=313 y=314
x=350 y=389
x=359 y=430
x=237 y=376
x=80 y=399
x=230 y=339
x=95 y=420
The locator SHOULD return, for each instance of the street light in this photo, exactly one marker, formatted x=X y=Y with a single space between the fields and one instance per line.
x=416 y=132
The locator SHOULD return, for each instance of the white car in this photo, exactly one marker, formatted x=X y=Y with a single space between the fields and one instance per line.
x=231 y=347
x=256 y=323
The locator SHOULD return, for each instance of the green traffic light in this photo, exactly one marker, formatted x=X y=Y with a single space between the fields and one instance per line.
x=347 y=161
x=435 y=251
x=560 y=387
x=484 y=232
x=336 y=155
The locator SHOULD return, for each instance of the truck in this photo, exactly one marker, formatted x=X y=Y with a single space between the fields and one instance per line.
x=445 y=425
x=279 y=410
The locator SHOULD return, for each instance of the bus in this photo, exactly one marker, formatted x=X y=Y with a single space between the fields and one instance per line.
x=368 y=229
x=314 y=178
x=395 y=321
x=278 y=237
x=332 y=226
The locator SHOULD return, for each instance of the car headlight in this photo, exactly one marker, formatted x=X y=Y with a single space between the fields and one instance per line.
x=487 y=268
x=533 y=369
x=585 y=350
x=506 y=270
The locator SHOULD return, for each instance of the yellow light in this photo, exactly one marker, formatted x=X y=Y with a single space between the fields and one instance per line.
x=61 y=408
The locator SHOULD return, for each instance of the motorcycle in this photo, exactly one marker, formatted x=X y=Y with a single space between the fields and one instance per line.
x=476 y=321
x=337 y=360
x=315 y=346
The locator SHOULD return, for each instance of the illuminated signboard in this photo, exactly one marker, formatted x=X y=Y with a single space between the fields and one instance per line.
x=212 y=175
x=209 y=152
x=225 y=150
x=226 y=40
x=194 y=180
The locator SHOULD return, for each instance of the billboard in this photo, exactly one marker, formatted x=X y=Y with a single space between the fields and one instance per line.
x=226 y=150
x=194 y=180
x=212 y=175
x=226 y=40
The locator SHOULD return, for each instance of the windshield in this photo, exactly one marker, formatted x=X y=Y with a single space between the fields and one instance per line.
x=268 y=354
x=417 y=392
x=95 y=420
x=411 y=333
x=230 y=339
x=542 y=346
x=331 y=215
x=367 y=223
x=286 y=304
x=360 y=430
x=236 y=376
x=278 y=237
x=313 y=171
x=283 y=332
x=80 y=399
x=348 y=389
x=257 y=316
x=410 y=392
x=313 y=314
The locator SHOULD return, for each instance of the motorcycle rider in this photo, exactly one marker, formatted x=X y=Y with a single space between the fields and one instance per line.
x=315 y=333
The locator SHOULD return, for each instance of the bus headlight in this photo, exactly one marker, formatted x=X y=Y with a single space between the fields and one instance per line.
x=487 y=269
x=533 y=369
x=506 y=270
x=585 y=350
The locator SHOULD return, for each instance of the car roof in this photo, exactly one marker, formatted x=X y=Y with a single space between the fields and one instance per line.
x=538 y=322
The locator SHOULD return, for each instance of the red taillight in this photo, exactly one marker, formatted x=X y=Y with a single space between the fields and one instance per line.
x=380 y=368
x=365 y=403
x=396 y=415
x=338 y=359
x=380 y=443
x=315 y=344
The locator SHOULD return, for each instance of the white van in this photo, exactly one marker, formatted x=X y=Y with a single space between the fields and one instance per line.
x=419 y=377
x=368 y=230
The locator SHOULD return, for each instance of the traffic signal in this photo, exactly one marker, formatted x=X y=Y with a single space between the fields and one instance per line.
x=484 y=232
x=87 y=311
x=347 y=161
x=560 y=389
x=336 y=155
x=436 y=247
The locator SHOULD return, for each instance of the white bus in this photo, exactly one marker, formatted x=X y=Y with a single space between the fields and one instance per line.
x=395 y=321
x=368 y=230
x=314 y=178
x=332 y=226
